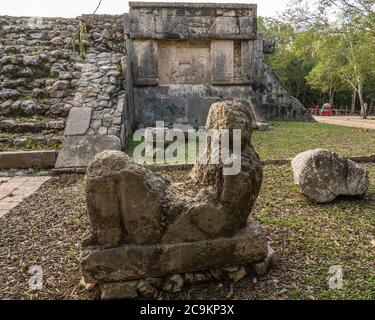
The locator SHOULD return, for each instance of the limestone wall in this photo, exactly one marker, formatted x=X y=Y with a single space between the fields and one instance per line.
x=38 y=72
x=43 y=77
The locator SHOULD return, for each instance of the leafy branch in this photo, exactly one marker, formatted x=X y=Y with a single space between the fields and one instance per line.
x=81 y=36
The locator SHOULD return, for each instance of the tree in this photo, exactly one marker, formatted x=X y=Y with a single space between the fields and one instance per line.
x=289 y=63
x=324 y=76
x=344 y=44
x=331 y=14
x=355 y=61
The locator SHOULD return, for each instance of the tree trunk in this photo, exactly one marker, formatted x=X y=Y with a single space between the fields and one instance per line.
x=331 y=98
x=371 y=107
x=362 y=101
x=354 y=98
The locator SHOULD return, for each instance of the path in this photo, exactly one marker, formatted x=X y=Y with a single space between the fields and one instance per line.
x=13 y=190
x=349 y=121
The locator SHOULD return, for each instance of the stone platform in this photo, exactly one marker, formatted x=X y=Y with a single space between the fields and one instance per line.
x=120 y=270
x=131 y=262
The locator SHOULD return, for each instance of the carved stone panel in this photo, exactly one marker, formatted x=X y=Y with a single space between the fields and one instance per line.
x=222 y=61
x=247 y=57
x=144 y=62
x=167 y=21
x=184 y=62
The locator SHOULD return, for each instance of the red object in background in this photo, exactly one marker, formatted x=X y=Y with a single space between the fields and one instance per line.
x=326 y=110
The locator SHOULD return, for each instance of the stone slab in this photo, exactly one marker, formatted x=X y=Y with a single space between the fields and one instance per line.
x=78 y=121
x=191 y=21
x=141 y=4
x=122 y=290
x=3 y=212
x=131 y=262
x=27 y=159
x=78 y=151
x=7 y=205
x=16 y=189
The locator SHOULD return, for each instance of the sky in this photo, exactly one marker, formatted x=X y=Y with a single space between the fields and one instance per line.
x=74 y=8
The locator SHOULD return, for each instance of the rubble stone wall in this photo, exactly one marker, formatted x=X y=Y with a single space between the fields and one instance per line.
x=39 y=73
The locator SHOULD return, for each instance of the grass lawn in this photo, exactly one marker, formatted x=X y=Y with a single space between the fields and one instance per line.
x=288 y=138
x=48 y=227
x=311 y=238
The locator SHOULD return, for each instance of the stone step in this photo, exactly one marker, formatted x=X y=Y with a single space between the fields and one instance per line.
x=29 y=125
x=27 y=159
x=17 y=142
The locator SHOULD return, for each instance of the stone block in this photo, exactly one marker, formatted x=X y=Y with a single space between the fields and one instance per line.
x=144 y=62
x=191 y=21
x=78 y=121
x=130 y=262
x=173 y=110
x=184 y=62
x=222 y=62
x=197 y=110
x=322 y=175
x=120 y=290
x=27 y=159
x=78 y=151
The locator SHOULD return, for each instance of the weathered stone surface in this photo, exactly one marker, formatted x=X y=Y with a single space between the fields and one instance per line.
x=8 y=94
x=120 y=290
x=60 y=85
x=78 y=121
x=174 y=283
x=218 y=208
x=323 y=175
x=30 y=107
x=190 y=20
x=192 y=227
x=6 y=107
x=238 y=275
x=31 y=60
x=102 y=174
x=147 y=290
x=144 y=62
x=27 y=159
x=57 y=41
x=78 y=151
x=261 y=268
x=130 y=262
x=184 y=62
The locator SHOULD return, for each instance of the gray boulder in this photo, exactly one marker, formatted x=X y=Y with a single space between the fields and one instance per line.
x=322 y=175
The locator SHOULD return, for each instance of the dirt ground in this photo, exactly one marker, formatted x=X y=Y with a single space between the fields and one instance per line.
x=349 y=121
x=47 y=230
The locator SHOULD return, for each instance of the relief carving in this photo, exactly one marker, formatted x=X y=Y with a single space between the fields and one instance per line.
x=184 y=62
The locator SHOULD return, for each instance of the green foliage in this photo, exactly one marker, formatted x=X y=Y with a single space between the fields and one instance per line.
x=325 y=50
x=289 y=62
x=79 y=38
